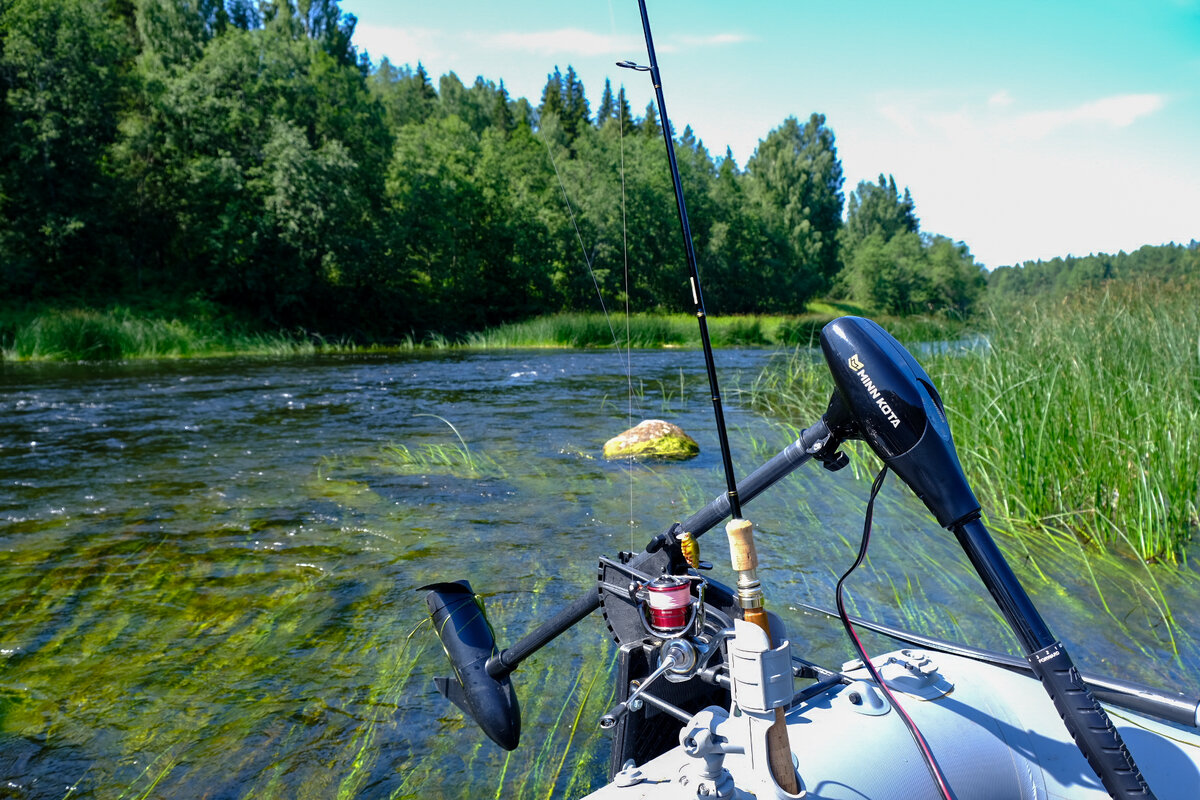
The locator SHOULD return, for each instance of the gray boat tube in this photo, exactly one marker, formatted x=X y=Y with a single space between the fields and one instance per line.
x=1175 y=707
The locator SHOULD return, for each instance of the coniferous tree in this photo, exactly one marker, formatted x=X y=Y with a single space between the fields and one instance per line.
x=878 y=209
x=524 y=113
x=553 y=102
x=650 y=125
x=738 y=245
x=796 y=182
x=407 y=95
x=623 y=114
x=576 y=114
x=607 y=109
x=502 y=116
x=238 y=150
x=63 y=63
x=891 y=266
x=474 y=105
x=424 y=86
x=271 y=182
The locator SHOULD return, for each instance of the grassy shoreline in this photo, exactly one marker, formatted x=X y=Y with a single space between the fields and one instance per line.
x=122 y=333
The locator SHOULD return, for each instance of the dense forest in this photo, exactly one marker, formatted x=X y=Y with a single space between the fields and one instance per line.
x=242 y=157
x=246 y=156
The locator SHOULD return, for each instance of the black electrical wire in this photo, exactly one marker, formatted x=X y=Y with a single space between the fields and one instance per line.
x=938 y=778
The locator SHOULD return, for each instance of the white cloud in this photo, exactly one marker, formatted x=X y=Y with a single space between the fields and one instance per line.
x=1000 y=99
x=900 y=115
x=1119 y=111
x=400 y=45
x=1018 y=184
x=409 y=45
x=1000 y=118
x=579 y=42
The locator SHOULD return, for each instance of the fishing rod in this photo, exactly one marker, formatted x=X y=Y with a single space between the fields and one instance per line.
x=883 y=397
x=740 y=531
x=690 y=255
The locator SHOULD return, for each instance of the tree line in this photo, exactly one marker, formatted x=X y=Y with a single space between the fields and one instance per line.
x=1175 y=264
x=245 y=154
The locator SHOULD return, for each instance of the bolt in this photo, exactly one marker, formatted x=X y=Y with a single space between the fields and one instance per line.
x=855 y=698
x=635 y=704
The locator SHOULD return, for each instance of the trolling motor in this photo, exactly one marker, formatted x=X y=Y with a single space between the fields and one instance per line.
x=481 y=686
x=886 y=399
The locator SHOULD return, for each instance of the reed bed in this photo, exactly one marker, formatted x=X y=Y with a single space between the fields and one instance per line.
x=1081 y=416
x=681 y=330
x=118 y=333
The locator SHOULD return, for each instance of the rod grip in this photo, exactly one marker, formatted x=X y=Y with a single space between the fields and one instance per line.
x=1088 y=723
x=741 y=544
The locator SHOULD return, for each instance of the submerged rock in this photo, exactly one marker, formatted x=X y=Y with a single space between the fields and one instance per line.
x=653 y=438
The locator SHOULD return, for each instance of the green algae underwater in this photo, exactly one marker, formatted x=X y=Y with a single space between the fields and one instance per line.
x=209 y=570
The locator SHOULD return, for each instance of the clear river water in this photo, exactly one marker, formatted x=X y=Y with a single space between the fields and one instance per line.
x=209 y=569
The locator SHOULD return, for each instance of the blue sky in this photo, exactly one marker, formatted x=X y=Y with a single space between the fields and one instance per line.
x=1026 y=129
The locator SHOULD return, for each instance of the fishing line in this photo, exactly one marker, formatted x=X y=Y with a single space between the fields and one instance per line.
x=628 y=344
x=624 y=253
x=612 y=22
x=922 y=745
x=626 y=354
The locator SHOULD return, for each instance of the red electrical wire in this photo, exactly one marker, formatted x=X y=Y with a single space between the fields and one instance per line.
x=922 y=745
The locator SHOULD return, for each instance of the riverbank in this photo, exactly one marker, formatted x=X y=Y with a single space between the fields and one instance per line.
x=193 y=330
x=119 y=333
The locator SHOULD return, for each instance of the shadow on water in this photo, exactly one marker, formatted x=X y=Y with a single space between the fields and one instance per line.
x=208 y=570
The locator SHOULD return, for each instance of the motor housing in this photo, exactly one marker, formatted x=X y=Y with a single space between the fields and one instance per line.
x=884 y=397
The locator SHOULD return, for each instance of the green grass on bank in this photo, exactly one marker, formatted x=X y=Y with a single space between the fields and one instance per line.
x=117 y=333
x=1080 y=415
x=197 y=329
x=682 y=330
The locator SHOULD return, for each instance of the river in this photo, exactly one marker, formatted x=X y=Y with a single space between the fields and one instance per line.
x=209 y=569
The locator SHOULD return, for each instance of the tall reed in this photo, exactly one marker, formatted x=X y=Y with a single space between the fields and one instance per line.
x=119 y=333
x=669 y=330
x=1080 y=416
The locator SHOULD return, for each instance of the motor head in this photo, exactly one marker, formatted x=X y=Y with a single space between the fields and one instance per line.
x=884 y=397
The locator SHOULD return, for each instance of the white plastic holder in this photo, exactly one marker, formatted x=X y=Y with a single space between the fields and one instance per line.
x=761 y=675
x=761 y=681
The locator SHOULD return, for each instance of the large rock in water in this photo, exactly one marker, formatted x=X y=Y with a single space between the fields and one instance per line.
x=653 y=438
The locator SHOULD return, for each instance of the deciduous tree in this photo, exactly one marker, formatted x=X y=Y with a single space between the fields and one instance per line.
x=795 y=180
